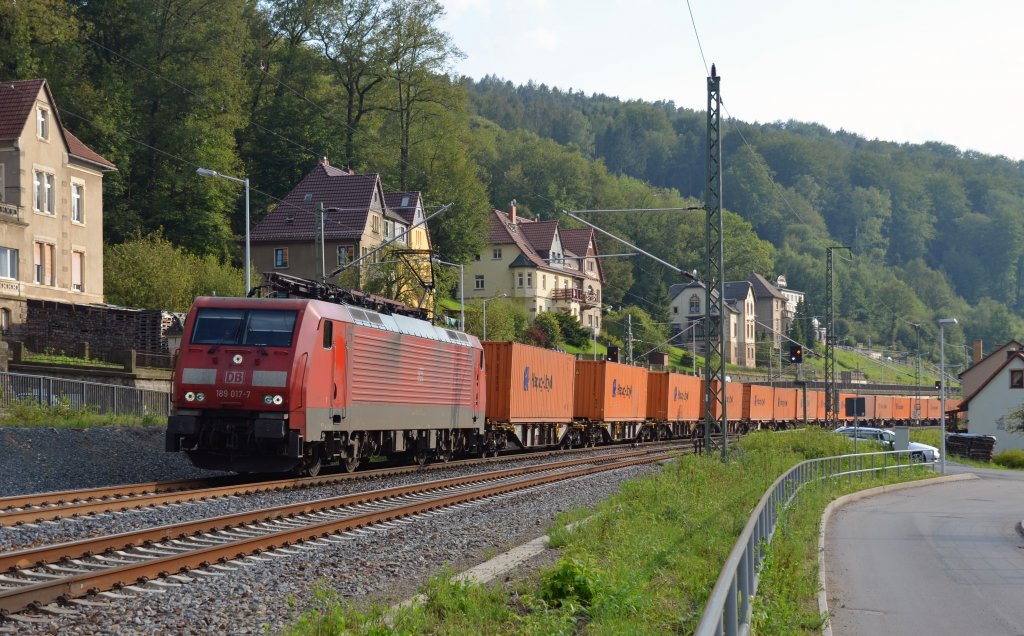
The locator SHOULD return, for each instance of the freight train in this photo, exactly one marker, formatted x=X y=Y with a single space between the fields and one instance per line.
x=293 y=384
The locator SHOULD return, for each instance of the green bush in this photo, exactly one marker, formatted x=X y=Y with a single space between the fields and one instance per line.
x=573 y=578
x=1013 y=458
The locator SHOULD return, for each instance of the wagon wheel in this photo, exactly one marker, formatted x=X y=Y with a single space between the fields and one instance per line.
x=422 y=457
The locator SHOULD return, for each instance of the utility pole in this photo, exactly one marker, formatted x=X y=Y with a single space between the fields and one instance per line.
x=831 y=397
x=714 y=307
x=320 y=236
x=629 y=338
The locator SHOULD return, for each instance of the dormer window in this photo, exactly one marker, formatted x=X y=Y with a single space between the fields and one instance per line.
x=43 y=123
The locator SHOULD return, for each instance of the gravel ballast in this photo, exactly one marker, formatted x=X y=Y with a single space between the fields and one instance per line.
x=387 y=564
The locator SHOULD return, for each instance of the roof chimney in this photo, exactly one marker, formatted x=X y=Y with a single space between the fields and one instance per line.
x=512 y=211
x=978 y=351
x=324 y=162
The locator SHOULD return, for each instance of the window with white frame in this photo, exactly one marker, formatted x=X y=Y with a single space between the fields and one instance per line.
x=77 y=203
x=529 y=279
x=77 y=266
x=376 y=224
x=496 y=254
x=280 y=257
x=478 y=281
x=8 y=263
x=694 y=304
x=42 y=123
x=346 y=254
x=387 y=229
x=519 y=278
x=543 y=281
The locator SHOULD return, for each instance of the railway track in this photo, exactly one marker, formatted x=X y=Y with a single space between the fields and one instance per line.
x=53 y=506
x=51 y=578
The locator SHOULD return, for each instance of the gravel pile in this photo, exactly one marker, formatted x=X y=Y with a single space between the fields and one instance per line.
x=385 y=564
x=47 y=459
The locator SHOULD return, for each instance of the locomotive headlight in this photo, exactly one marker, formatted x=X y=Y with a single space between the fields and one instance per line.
x=190 y=396
x=278 y=400
x=237 y=359
x=200 y=397
x=268 y=399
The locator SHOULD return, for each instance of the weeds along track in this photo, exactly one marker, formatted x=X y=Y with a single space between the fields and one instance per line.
x=53 y=579
x=54 y=506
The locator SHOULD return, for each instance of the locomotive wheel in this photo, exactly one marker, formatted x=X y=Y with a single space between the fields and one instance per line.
x=311 y=467
x=350 y=464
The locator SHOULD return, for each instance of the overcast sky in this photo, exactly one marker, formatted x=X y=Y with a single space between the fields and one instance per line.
x=898 y=70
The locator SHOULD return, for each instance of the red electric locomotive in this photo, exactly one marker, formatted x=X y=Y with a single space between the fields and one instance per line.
x=288 y=384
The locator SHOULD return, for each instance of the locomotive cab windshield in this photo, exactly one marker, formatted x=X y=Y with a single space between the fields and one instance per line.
x=252 y=327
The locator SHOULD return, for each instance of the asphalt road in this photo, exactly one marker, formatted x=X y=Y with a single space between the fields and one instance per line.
x=943 y=559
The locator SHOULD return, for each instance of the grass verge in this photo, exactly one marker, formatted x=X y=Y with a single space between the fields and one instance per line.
x=646 y=560
x=29 y=413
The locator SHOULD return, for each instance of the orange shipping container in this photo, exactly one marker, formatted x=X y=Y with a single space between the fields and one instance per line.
x=733 y=401
x=610 y=392
x=757 y=403
x=931 y=408
x=902 y=408
x=785 y=405
x=673 y=397
x=883 y=408
x=528 y=384
x=815 y=405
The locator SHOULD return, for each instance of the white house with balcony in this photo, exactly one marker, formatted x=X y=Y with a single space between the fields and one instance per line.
x=539 y=265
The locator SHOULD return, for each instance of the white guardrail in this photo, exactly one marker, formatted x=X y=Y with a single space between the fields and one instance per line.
x=728 y=609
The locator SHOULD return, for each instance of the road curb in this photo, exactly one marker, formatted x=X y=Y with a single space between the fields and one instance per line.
x=836 y=504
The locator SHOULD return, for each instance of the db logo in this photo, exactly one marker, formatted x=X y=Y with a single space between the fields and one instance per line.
x=234 y=377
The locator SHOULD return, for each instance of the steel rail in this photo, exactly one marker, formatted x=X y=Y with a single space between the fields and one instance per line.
x=30 y=557
x=53 y=506
x=65 y=589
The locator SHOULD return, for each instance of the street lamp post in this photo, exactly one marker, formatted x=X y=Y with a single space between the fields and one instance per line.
x=462 y=294
x=485 y=301
x=206 y=172
x=942 y=378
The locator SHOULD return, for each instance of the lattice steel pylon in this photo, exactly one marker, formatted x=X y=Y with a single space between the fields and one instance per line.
x=831 y=397
x=715 y=415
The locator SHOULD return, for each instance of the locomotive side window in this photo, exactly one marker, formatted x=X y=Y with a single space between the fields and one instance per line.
x=255 y=327
x=328 y=334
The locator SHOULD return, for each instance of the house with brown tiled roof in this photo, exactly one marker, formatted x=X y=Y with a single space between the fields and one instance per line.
x=356 y=219
x=771 y=309
x=997 y=389
x=51 y=205
x=540 y=265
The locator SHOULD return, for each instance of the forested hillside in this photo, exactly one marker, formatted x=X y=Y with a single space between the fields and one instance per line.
x=265 y=89
x=933 y=230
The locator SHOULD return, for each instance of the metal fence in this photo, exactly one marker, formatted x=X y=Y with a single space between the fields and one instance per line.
x=112 y=399
x=728 y=609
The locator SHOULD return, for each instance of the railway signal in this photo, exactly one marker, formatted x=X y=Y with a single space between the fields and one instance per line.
x=796 y=354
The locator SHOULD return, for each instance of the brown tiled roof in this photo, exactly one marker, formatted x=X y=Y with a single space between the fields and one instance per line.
x=345 y=196
x=762 y=288
x=540 y=234
x=577 y=242
x=16 y=100
x=394 y=201
x=77 y=149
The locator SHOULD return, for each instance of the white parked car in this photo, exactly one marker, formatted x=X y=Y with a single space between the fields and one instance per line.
x=918 y=452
